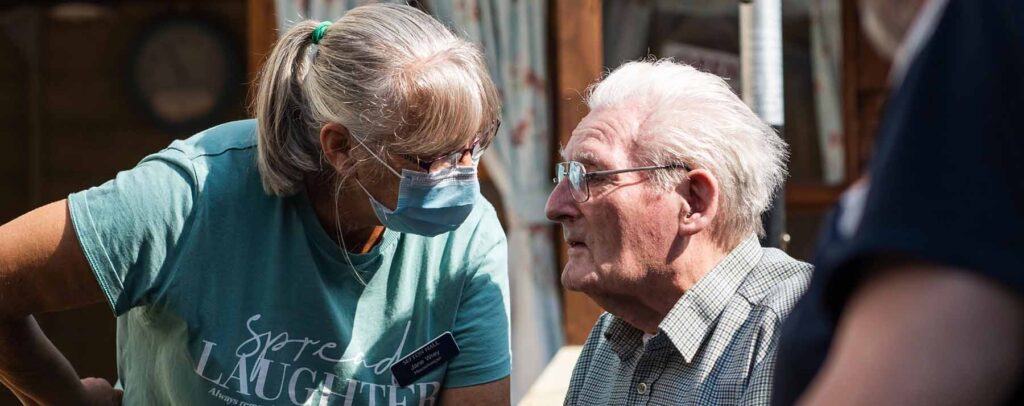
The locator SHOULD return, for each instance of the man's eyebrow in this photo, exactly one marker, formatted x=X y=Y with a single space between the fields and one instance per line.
x=586 y=158
x=579 y=156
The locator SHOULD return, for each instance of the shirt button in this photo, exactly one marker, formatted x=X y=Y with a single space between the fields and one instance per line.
x=641 y=388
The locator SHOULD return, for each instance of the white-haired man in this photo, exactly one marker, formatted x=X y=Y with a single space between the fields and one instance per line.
x=660 y=200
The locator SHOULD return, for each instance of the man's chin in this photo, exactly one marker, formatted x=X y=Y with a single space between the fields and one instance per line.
x=578 y=279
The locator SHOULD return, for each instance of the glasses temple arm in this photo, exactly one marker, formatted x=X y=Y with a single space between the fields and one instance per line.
x=642 y=168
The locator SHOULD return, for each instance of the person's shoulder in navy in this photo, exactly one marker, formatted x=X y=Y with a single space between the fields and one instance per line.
x=946 y=185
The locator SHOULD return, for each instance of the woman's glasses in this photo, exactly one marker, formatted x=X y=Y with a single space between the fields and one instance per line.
x=476 y=150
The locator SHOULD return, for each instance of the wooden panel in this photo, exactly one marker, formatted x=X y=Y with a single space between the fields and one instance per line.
x=864 y=91
x=578 y=50
x=91 y=128
x=812 y=197
x=15 y=131
x=865 y=77
x=93 y=125
x=261 y=25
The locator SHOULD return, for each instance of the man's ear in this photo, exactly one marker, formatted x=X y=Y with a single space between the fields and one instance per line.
x=700 y=194
x=336 y=144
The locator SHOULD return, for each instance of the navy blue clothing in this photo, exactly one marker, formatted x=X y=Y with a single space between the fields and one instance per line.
x=946 y=183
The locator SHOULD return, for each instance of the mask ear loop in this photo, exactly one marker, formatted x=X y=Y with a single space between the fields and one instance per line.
x=376 y=157
x=337 y=227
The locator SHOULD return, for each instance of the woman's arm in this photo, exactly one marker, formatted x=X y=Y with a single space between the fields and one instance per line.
x=42 y=269
x=491 y=393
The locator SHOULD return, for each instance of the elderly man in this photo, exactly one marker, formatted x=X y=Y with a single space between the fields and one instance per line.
x=660 y=200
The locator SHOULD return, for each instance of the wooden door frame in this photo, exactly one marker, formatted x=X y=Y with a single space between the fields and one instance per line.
x=577 y=53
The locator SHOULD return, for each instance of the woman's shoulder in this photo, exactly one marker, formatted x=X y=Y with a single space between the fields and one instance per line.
x=221 y=160
x=233 y=136
x=482 y=225
x=481 y=238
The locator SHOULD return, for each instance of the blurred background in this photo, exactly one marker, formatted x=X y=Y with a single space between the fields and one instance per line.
x=89 y=88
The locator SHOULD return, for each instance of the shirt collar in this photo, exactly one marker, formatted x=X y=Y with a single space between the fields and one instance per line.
x=692 y=317
x=622 y=337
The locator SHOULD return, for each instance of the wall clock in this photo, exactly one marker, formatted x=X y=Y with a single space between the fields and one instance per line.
x=184 y=72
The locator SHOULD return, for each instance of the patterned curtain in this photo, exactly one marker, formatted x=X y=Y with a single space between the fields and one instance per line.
x=292 y=11
x=513 y=35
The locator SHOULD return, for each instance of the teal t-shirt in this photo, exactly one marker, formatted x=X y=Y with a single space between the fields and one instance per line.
x=227 y=295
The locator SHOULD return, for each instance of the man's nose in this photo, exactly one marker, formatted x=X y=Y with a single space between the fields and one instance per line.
x=561 y=207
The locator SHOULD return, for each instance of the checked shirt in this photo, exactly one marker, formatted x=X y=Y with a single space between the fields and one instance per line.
x=715 y=347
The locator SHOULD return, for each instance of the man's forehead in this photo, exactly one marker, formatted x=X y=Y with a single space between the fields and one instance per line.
x=591 y=150
x=600 y=136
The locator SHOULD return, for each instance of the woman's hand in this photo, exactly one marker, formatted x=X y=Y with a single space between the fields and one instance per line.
x=94 y=392
x=99 y=392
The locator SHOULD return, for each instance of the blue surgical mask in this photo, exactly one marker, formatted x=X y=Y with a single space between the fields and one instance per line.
x=429 y=204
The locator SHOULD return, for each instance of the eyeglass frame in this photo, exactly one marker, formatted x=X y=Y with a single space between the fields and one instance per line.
x=587 y=176
x=476 y=150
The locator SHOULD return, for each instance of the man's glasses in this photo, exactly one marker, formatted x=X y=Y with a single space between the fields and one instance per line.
x=476 y=150
x=579 y=179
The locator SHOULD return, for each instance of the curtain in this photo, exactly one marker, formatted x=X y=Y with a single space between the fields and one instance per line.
x=513 y=35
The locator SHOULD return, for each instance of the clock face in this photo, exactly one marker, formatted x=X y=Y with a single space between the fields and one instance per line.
x=183 y=71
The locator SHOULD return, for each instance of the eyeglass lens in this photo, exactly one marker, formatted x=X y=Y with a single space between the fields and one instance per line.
x=577 y=179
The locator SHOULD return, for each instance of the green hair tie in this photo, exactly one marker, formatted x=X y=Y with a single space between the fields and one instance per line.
x=320 y=31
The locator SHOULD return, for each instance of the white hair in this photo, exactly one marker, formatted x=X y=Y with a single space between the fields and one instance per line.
x=692 y=117
x=395 y=77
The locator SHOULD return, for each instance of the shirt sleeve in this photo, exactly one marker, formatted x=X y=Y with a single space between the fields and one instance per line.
x=759 y=385
x=947 y=183
x=129 y=227
x=482 y=323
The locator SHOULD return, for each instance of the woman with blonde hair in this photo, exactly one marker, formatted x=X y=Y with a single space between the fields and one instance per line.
x=334 y=250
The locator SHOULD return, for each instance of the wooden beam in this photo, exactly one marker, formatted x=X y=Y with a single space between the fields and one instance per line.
x=812 y=198
x=578 y=54
x=261 y=26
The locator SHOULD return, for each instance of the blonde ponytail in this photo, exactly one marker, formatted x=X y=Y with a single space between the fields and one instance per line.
x=286 y=146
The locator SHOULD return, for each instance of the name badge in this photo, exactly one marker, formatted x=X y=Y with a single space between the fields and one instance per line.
x=425 y=359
